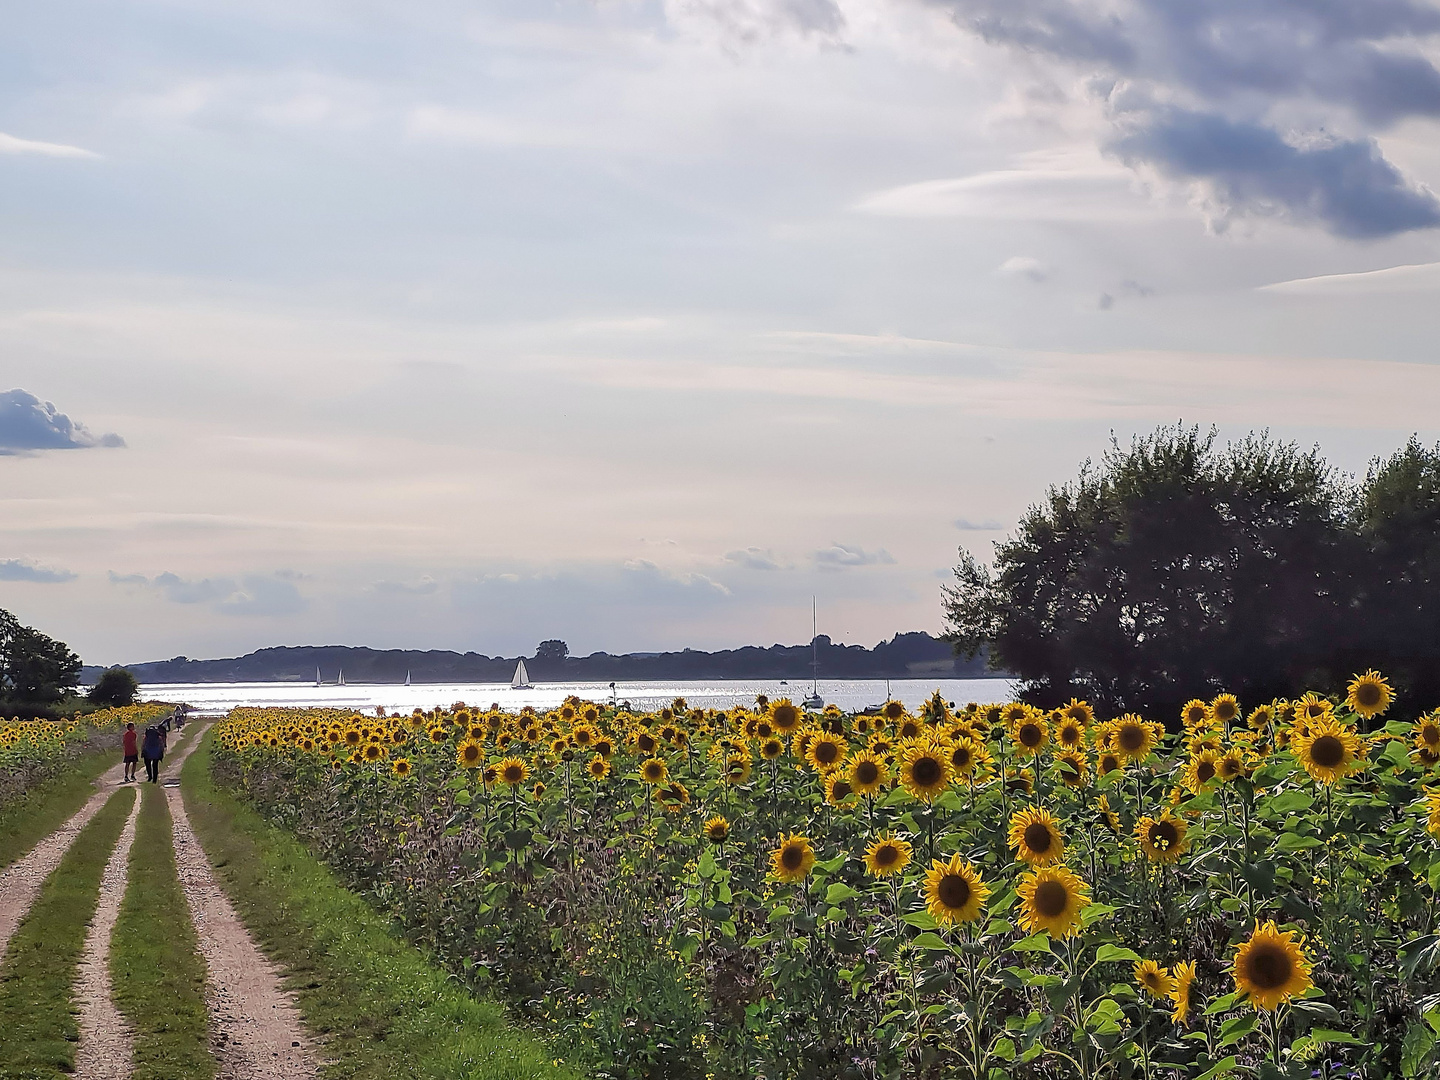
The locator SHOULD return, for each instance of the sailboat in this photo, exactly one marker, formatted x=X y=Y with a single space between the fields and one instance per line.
x=317 y=676
x=407 y=678
x=814 y=701
x=521 y=679
x=341 y=680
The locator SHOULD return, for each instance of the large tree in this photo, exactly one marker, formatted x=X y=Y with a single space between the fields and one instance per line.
x=1169 y=569
x=36 y=671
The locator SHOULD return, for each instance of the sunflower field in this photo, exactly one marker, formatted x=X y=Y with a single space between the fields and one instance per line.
x=32 y=750
x=982 y=891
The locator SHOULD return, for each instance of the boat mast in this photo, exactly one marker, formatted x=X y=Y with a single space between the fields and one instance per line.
x=814 y=651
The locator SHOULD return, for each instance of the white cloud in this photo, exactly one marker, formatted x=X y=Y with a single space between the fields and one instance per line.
x=1415 y=277
x=1025 y=267
x=838 y=556
x=10 y=144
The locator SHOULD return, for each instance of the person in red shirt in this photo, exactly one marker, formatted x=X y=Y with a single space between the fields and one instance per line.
x=132 y=753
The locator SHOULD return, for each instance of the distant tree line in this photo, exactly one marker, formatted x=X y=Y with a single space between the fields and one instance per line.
x=1177 y=568
x=906 y=655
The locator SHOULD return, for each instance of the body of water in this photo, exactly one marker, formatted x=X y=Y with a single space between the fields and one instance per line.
x=850 y=694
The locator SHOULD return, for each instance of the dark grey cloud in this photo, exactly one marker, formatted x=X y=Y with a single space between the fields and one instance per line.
x=28 y=424
x=1197 y=86
x=1347 y=186
x=25 y=570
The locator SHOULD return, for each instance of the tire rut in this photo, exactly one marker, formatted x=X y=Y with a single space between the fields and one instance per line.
x=255 y=1025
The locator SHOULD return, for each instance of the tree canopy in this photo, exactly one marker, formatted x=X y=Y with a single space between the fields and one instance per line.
x=116 y=686
x=36 y=671
x=1176 y=566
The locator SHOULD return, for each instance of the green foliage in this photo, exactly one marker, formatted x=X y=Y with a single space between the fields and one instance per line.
x=47 y=802
x=1252 y=568
x=382 y=1010
x=116 y=686
x=156 y=971
x=36 y=671
x=38 y=1032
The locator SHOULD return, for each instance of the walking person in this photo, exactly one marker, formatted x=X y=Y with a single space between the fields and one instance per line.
x=152 y=751
x=130 y=748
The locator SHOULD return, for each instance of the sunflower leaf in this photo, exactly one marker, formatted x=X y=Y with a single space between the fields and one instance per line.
x=1034 y=943
x=1107 y=954
x=931 y=940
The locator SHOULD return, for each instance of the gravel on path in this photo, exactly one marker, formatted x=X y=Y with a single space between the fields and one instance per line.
x=105 y=1046
x=20 y=881
x=255 y=1025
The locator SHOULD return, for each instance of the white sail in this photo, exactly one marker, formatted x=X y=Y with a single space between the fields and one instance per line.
x=407 y=678
x=521 y=681
x=341 y=680
x=317 y=676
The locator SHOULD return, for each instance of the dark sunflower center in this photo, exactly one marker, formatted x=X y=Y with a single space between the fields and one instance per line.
x=953 y=891
x=887 y=855
x=786 y=717
x=1029 y=735
x=1327 y=751
x=792 y=857
x=1368 y=694
x=1070 y=736
x=1431 y=734
x=867 y=772
x=1163 y=835
x=1197 y=716
x=826 y=752
x=1051 y=898
x=894 y=710
x=841 y=790
x=652 y=771
x=1132 y=737
x=1038 y=838
x=1269 y=967
x=926 y=771
x=909 y=729
x=961 y=757
x=1225 y=712
x=512 y=774
x=1205 y=771
x=1109 y=763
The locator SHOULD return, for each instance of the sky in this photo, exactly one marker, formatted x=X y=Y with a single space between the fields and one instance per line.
x=638 y=324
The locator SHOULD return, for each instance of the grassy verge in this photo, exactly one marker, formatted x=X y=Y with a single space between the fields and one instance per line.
x=155 y=966
x=382 y=1010
x=38 y=1032
x=27 y=820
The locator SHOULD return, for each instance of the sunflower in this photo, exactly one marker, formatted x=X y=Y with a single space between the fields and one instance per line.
x=1225 y=709
x=785 y=716
x=867 y=773
x=375 y=752
x=1370 y=695
x=1134 y=738
x=1201 y=770
x=826 y=751
x=400 y=766
x=967 y=757
x=673 y=796
x=353 y=737
x=1328 y=751
x=1107 y=816
x=954 y=892
x=1427 y=731
x=1195 y=714
x=1070 y=733
x=598 y=767
x=1031 y=733
x=794 y=859
x=887 y=855
x=892 y=710
x=925 y=770
x=1270 y=967
x=1073 y=767
x=1019 y=781
x=908 y=728
x=1108 y=762
x=1261 y=717
x=717 y=830
x=771 y=748
x=654 y=771
x=1035 y=836
x=539 y=789
x=1184 y=975
x=737 y=769
x=1079 y=710
x=1152 y=977
x=1232 y=764
x=838 y=789
x=1162 y=839
x=512 y=771
x=1052 y=898
x=1313 y=707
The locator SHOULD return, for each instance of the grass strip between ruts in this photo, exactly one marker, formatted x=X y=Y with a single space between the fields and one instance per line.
x=38 y=1032
x=27 y=820
x=381 y=1009
x=156 y=972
